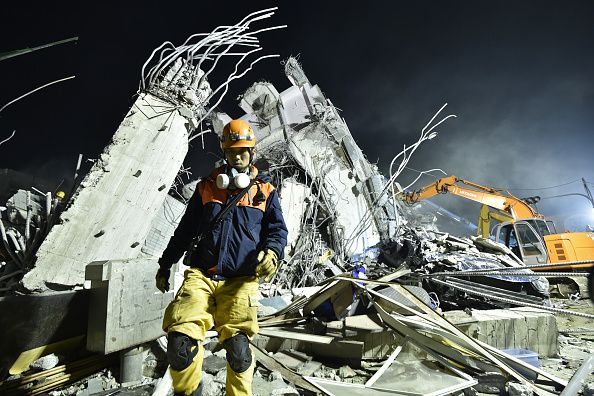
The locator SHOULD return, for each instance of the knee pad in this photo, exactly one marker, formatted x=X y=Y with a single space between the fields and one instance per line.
x=239 y=355
x=181 y=350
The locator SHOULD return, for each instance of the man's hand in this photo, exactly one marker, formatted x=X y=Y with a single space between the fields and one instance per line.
x=162 y=280
x=267 y=261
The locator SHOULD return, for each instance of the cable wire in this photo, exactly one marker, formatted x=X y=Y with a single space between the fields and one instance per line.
x=545 y=188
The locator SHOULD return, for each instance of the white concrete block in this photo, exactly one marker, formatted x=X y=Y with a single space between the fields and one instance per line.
x=260 y=98
x=526 y=328
x=125 y=308
x=295 y=110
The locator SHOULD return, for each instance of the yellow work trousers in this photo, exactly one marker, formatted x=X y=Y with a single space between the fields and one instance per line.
x=231 y=306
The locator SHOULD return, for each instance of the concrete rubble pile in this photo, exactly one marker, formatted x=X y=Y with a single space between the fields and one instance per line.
x=326 y=184
x=26 y=221
x=368 y=299
x=329 y=189
x=444 y=253
x=339 y=213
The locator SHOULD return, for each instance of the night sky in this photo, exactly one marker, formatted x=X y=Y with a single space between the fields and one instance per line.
x=518 y=74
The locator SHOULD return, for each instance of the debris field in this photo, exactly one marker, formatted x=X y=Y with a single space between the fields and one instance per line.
x=371 y=298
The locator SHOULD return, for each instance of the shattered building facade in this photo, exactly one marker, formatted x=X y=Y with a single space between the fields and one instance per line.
x=362 y=280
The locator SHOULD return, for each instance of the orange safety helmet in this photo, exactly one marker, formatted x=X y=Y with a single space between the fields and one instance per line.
x=238 y=133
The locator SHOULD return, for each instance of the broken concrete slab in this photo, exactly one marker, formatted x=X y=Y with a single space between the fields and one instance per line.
x=111 y=212
x=547 y=333
x=211 y=387
x=348 y=351
x=46 y=362
x=263 y=387
x=492 y=383
x=293 y=203
x=260 y=98
x=510 y=328
x=346 y=372
x=125 y=308
x=291 y=359
x=516 y=389
x=309 y=368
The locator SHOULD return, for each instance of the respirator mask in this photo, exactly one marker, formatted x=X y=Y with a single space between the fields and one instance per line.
x=232 y=179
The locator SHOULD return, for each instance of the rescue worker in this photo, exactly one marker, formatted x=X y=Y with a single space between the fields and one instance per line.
x=220 y=288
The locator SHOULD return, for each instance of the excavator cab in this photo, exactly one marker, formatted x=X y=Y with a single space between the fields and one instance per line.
x=525 y=240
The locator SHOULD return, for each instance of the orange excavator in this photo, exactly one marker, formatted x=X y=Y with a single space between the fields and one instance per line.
x=526 y=232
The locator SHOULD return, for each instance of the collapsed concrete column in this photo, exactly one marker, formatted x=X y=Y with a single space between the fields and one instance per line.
x=111 y=212
x=302 y=124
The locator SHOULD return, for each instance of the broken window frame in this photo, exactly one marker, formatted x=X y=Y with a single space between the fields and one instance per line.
x=468 y=382
x=370 y=384
x=529 y=238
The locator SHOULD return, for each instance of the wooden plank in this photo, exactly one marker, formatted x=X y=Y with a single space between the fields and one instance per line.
x=293 y=335
x=324 y=295
x=273 y=365
x=350 y=352
x=440 y=321
x=445 y=350
x=26 y=358
x=277 y=322
x=363 y=322
x=342 y=300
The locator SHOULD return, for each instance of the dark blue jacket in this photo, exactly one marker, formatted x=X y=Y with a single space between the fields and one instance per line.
x=231 y=247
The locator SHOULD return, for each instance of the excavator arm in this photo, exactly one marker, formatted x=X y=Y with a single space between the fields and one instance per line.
x=485 y=217
x=510 y=207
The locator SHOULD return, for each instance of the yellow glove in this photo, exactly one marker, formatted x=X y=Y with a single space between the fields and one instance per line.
x=267 y=261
